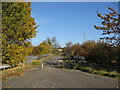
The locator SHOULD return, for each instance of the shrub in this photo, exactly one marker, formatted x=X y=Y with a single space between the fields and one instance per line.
x=102 y=72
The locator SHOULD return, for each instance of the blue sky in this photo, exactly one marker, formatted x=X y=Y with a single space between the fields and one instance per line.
x=68 y=21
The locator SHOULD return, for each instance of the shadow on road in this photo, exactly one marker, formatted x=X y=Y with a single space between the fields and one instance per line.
x=62 y=59
x=52 y=63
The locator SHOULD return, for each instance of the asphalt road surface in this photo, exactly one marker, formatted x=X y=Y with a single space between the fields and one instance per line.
x=50 y=77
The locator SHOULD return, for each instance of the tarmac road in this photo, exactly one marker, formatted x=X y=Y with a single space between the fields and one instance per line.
x=50 y=77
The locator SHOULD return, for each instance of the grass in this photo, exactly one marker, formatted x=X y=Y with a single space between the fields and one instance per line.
x=16 y=71
x=91 y=70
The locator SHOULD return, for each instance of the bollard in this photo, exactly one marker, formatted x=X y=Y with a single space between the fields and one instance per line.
x=59 y=62
x=42 y=63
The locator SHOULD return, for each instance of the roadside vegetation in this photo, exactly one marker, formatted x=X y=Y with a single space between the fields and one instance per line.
x=18 y=27
x=16 y=71
x=86 y=67
x=49 y=46
x=20 y=69
x=101 y=57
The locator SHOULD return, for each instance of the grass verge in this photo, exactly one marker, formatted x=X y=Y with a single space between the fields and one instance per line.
x=89 y=69
x=16 y=71
x=113 y=74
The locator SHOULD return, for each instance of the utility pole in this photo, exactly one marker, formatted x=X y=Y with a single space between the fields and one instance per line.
x=118 y=23
x=119 y=13
x=84 y=37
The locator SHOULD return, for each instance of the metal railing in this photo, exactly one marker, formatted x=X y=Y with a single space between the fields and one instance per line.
x=29 y=59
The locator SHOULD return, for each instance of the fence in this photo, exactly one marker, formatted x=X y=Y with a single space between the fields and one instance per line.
x=36 y=57
x=29 y=59
x=76 y=58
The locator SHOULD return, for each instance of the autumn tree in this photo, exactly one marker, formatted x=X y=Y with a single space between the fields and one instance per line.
x=49 y=41
x=75 y=47
x=85 y=48
x=111 y=26
x=35 y=50
x=45 y=48
x=17 y=28
x=53 y=41
x=68 y=48
x=102 y=53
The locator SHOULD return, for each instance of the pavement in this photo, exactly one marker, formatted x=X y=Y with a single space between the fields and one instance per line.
x=50 y=77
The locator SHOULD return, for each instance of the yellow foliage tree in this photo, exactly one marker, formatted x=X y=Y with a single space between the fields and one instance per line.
x=45 y=48
x=17 y=28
